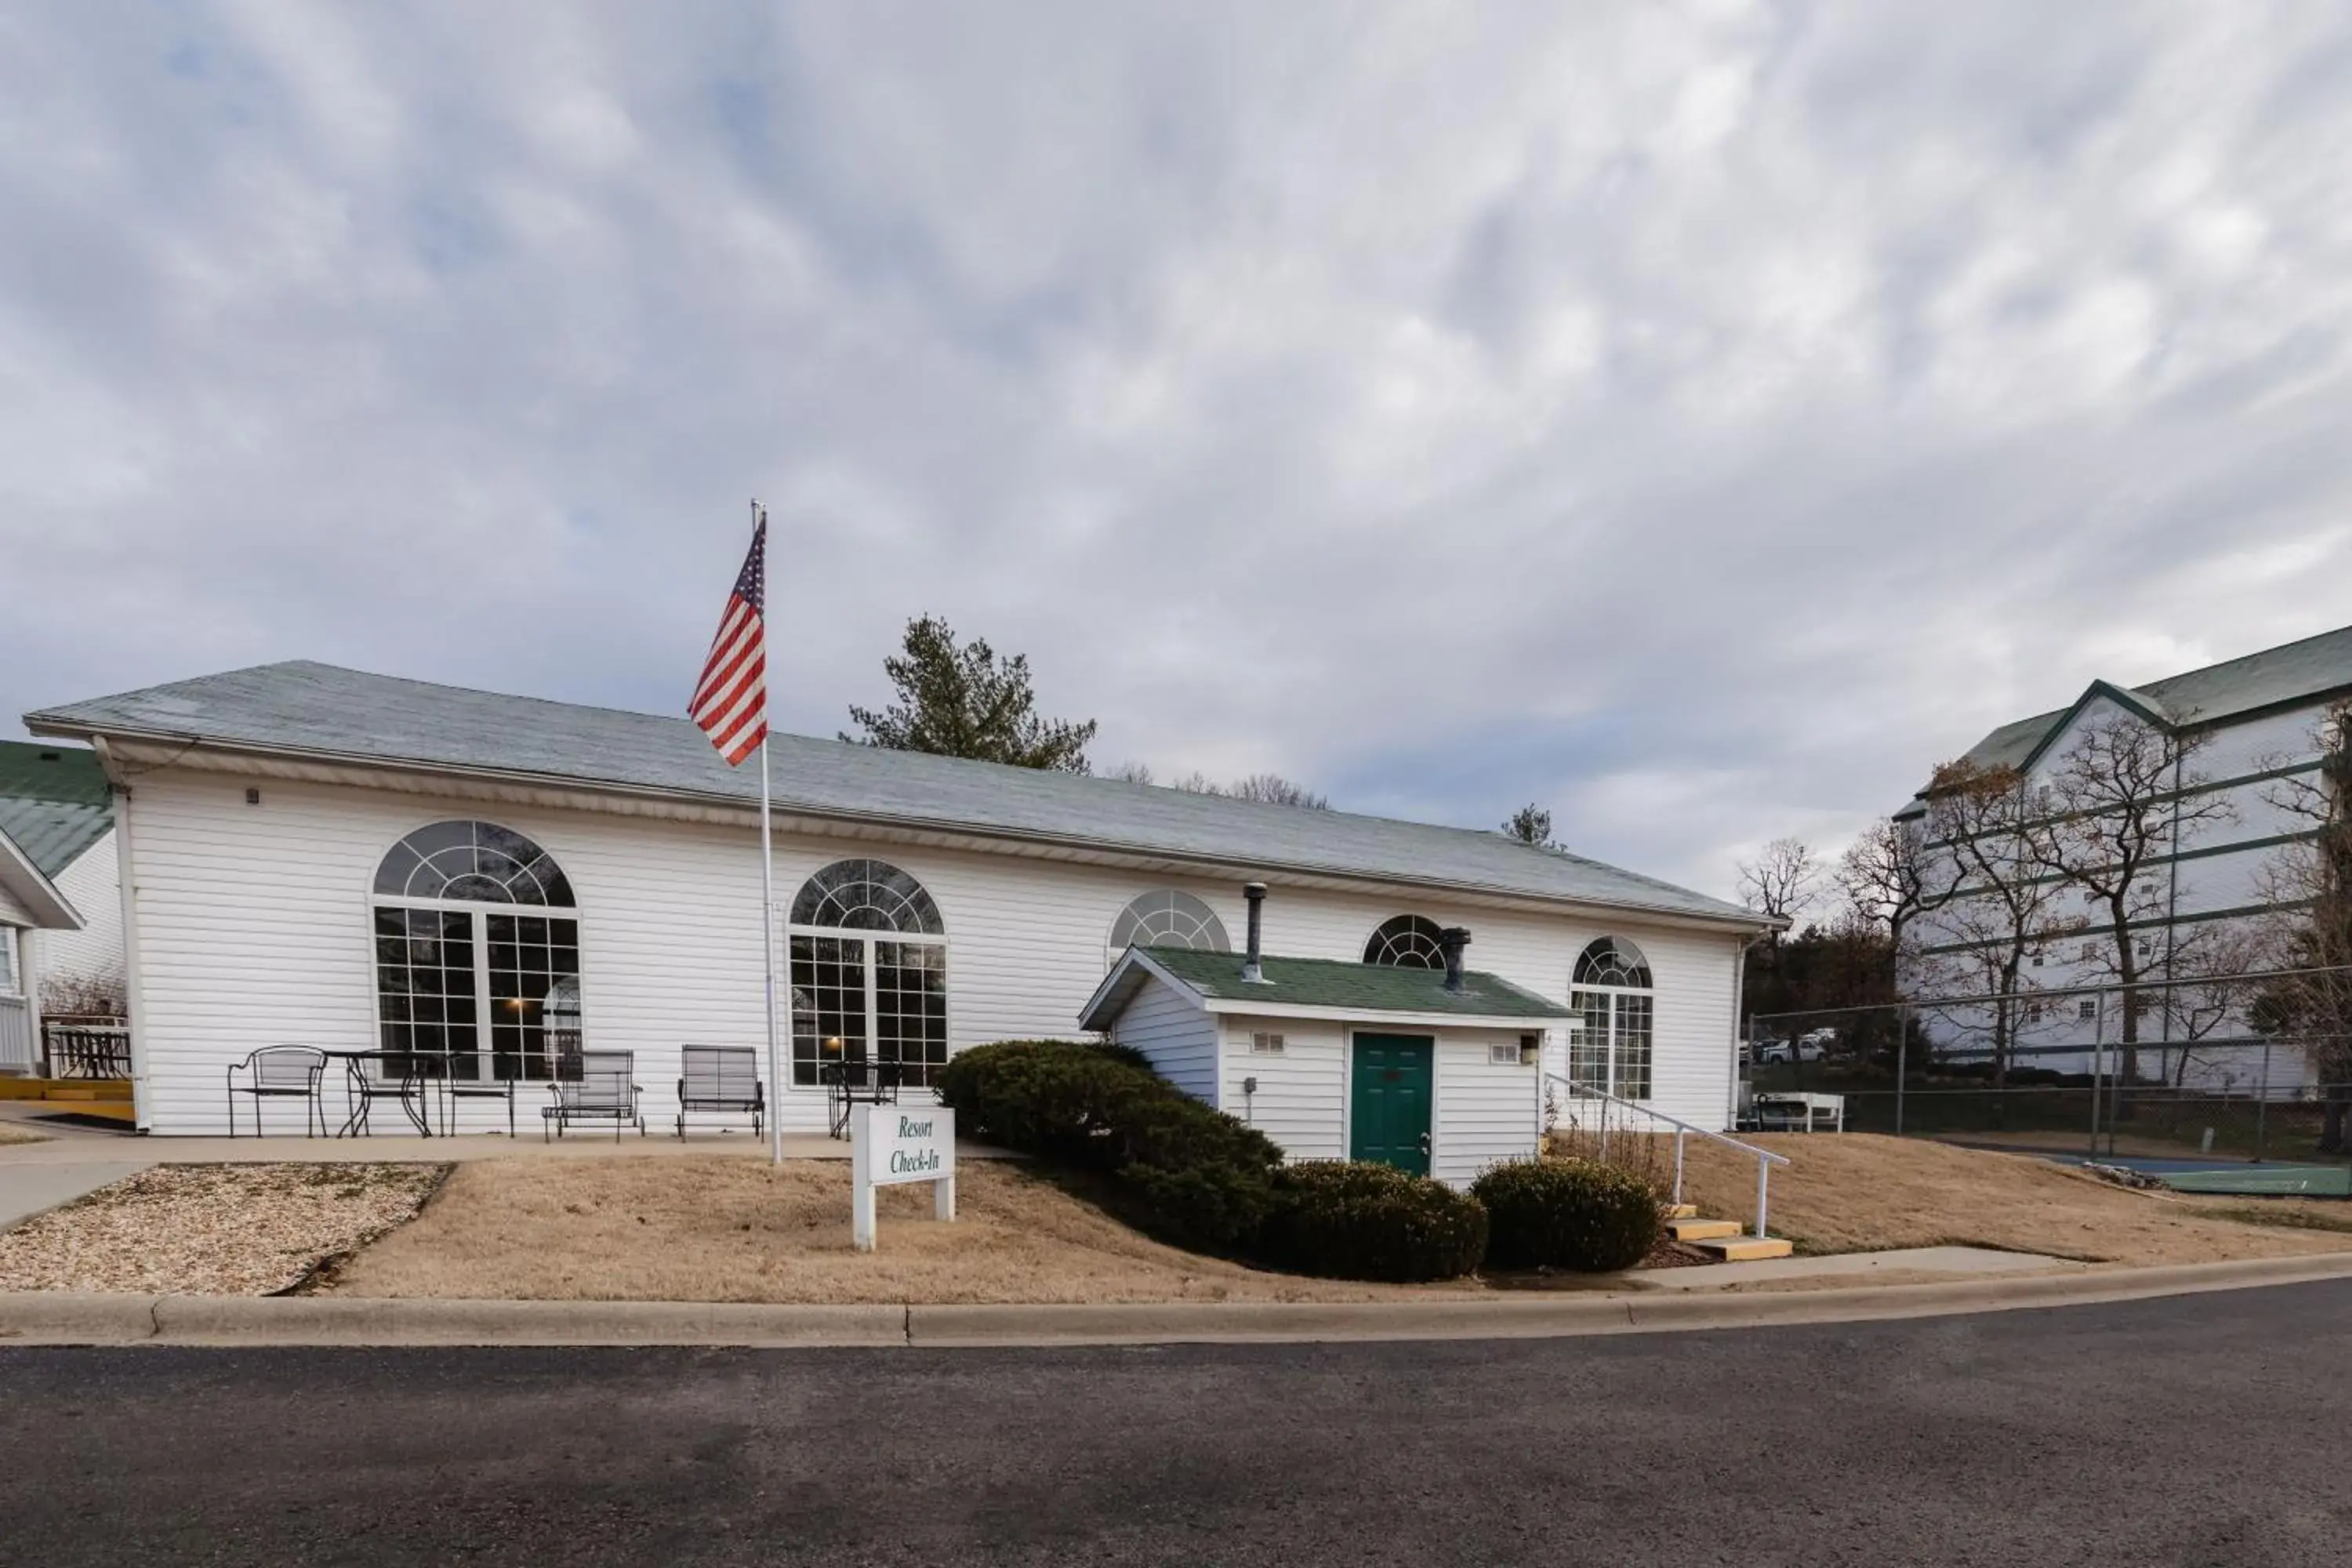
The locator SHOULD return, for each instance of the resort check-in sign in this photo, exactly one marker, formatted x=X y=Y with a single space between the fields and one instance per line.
x=890 y=1145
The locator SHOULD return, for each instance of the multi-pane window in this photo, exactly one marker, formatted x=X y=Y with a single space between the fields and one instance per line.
x=910 y=1006
x=869 y=975
x=1613 y=1006
x=464 y=979
x=534 y=967
x=424 y=982
x=7 y=960
x=1168 y=917
x=1407 y=942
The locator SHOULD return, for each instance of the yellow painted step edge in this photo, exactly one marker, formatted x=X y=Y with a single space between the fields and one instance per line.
x=1702 y=1229
x=1747 y=1248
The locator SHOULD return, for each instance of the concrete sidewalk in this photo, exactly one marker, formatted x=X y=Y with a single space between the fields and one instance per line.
x=35 y=1187
x=1901 y=1265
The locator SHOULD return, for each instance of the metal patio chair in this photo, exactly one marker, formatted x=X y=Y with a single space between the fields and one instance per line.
x=721 y=1080
x=455 y=1089
x=604 y=1090
x=280 y=1072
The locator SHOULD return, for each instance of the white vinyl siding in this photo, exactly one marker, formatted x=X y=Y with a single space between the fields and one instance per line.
x=1487 y=1112
x=93 y=885
x=255 y=930
x=1300 y=1101
x=1173 y=1031
x=13 y=909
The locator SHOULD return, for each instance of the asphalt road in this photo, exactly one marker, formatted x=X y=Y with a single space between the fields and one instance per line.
x=2206 y=1429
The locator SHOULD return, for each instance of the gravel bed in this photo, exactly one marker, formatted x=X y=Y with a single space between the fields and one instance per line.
x=213 y=1230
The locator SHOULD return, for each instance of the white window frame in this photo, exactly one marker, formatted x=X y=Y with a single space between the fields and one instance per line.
x=12 y=963
x=478 y=913
x=873 y=1012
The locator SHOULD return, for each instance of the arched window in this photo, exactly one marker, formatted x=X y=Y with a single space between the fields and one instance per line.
x=869 y=975
x=866 y=895
x=1407 y=942
x=1612 y=999
x=465 y=978
x=1167 y=918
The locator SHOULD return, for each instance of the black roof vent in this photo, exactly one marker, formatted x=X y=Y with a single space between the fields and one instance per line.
x=1451 y=941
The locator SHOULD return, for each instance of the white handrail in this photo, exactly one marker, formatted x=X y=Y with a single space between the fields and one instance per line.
x=1765 y=1158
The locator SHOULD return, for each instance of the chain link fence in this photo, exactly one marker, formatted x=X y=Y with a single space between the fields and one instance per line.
x=2160 y=1069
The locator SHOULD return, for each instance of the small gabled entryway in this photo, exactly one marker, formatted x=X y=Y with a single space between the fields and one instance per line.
x=1389 y=1104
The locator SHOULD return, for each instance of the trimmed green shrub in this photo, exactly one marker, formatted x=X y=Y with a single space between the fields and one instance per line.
x=1566 y=1214
x=1357 y=1220
x=1180 y=1171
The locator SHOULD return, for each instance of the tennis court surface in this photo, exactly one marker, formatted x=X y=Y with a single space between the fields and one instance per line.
x=2267 y=1179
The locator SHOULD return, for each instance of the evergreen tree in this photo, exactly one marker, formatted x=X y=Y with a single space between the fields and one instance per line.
x=1531 y=823
x=966 y=701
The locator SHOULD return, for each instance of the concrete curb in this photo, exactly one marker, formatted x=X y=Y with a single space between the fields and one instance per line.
x=44 y=1317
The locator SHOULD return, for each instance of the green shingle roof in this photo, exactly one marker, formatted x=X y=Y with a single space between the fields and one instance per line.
x=1352 y=987
x=54 y=801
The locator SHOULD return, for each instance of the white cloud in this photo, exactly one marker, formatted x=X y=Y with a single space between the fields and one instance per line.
x=1701 y=418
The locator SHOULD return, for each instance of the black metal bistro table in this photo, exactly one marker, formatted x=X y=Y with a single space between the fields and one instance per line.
x=411 y=1085
x=854 y=1082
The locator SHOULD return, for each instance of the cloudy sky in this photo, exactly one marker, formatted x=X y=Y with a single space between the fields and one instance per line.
x=1698 y=418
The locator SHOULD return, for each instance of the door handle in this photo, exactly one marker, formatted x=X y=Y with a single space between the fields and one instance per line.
x=1424 y=1145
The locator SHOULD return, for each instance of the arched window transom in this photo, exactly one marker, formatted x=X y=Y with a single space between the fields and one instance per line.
x=1613 y=1007
x=1407 y=942
x=477 y=955
x=472 y=863
x=1168 y=917
x=866 y=895
x=1613 y=961
x=869 y=978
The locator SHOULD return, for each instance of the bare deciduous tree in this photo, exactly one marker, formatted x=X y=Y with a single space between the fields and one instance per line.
x=1781 y=882
x=2123 y=794
x=2308 y=883
x=1888 y=881
x=1271 y=788
x=2206 y=990
x=2006 y=906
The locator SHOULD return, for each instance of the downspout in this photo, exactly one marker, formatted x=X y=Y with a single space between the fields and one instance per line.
x=134 y=1006
x=1738 y=1026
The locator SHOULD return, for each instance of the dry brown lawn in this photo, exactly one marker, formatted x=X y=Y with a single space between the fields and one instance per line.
x=1861 y=1192
x=17 y=1132
x=733 y=1229
x=211 y=1230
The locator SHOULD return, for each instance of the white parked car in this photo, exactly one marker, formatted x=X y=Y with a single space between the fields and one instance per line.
x=1806 y=1047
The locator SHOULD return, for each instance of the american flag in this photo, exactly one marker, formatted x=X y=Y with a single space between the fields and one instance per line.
x=730 y=701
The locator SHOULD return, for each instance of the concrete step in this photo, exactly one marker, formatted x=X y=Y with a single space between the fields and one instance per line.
x=1738 y=1248
x=1679 y=1211
x=1701 y=1229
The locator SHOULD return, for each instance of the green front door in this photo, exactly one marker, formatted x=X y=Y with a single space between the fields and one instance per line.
x=1388 y=1109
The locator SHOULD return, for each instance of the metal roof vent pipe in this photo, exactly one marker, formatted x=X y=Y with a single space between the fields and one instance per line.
x=1252 y=974
x=1451 y=941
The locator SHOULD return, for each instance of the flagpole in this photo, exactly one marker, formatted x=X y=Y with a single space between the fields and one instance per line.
x=768 y=875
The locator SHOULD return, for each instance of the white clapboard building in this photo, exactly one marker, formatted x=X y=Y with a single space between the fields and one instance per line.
x=317 y=856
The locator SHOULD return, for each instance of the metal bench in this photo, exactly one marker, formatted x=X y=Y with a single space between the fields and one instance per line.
x=720 y=1080
x=601 y=1087
x=280 y=1072
x=1789 y=1110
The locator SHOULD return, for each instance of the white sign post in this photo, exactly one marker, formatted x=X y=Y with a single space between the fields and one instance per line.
x=890 y=1145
